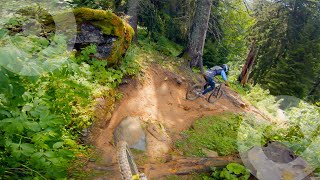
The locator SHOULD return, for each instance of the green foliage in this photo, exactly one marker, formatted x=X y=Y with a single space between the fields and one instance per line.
x=41 y=116
x=262 y=99
x=33 y=137
x=130 y=66
x=233 y=171
x=167 y=47
x=217 y=133
x=39 y=54
x=159 y=43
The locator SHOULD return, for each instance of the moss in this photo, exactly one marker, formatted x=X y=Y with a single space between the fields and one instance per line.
x=36 y=12
x=110 y=24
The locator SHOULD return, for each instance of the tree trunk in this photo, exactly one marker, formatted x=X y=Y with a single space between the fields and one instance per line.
x=133 y=13
x=246 y=70
x=197 y=35
x=315 y=89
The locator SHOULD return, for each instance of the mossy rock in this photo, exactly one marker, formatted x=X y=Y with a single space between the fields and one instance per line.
x=115 y=33
x=111 y=26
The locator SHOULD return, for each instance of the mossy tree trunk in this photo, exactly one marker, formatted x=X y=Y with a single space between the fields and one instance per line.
x=133 y=8
x=198 y=32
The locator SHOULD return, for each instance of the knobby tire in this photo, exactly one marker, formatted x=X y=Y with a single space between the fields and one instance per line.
x=128 y=167
x=192 y=92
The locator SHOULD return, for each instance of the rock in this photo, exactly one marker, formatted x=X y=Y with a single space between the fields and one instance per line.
x=159 y=142
x=103 y=109
x=109 y=32
x=281 y=115
x=243 y=105
x=92 y=160
x=157 y=132
x=90 y=34
x=278 y=152
x=210 y=153
x=130 y=130
x=276 y=161
x=179 y=81
x=204 y=106
x=186 y=108
x=85 y=135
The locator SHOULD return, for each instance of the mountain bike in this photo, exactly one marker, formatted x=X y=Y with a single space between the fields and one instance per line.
x=128 y=168
x=195 y=91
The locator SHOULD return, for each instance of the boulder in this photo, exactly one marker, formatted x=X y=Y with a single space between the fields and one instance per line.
x=110 y=33
x=210 y=153
x=130 y=130
x=276 y=161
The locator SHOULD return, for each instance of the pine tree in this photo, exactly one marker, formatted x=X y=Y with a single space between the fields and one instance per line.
x=288 y=35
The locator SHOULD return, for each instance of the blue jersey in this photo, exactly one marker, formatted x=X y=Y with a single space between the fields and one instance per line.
x=215 y=72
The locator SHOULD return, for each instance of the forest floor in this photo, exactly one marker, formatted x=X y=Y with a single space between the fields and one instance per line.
x=159 y=98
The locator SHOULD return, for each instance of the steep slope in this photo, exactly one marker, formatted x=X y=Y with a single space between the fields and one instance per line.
x=158 y=97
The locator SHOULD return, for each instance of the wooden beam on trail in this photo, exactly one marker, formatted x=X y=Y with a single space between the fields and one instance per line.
x=186 y=166
x=176 y=166
x=236 y=99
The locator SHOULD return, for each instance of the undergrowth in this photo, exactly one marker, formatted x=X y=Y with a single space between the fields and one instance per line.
x=160 y=44
x=42 y=116
x=215 y=133
x=232 y=171
x=291 y=121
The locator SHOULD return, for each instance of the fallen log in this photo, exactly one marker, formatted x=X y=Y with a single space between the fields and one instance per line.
x=176 y=166
x=186 y=166
x=237 y=101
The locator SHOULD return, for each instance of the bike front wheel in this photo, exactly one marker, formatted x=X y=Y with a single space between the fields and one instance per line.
x=193 y=92
x=215 y=95
x=128 y=167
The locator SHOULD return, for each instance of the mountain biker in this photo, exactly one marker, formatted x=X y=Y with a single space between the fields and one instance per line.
x=211 y=73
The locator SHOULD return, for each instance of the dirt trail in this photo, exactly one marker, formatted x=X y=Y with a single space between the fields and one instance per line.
x=160 y=98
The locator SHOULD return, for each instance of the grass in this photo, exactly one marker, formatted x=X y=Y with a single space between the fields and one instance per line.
x=216 y=133
x=140 y=157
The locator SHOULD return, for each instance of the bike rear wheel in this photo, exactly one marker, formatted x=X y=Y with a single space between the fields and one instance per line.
x=128 y=167
x=215 y=95
x=193 y=92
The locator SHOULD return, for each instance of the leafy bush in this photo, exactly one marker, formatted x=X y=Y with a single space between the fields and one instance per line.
x=130 y=64
x=41 y=116
x=233 y=171
x=34 y=137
